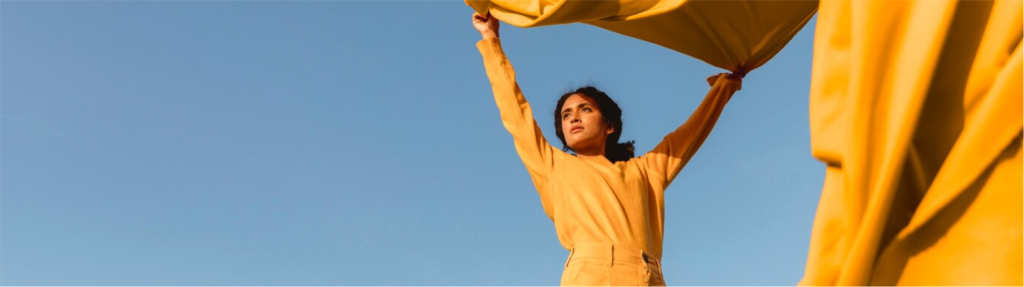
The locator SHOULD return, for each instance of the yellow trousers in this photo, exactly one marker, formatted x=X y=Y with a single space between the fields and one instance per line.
x=597 y=264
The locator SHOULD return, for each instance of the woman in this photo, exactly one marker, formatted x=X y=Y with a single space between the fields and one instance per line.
x=607 y=206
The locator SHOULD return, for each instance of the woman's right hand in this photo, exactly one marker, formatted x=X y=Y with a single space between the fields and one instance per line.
x=486 y=25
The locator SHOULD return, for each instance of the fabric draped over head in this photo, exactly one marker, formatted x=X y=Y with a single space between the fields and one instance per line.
x=738 y=36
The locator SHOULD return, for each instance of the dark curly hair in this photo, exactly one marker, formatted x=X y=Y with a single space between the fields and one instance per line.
x=612 y=115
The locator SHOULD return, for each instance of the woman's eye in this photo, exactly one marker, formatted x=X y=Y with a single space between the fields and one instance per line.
x=586 y=109
x=564 y=116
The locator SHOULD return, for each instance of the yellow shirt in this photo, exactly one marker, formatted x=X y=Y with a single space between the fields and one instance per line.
x=595 y=200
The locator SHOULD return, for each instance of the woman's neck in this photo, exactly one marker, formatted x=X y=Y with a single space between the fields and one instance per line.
x=591 y=152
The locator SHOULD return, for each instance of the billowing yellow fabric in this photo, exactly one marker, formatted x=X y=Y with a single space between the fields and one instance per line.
x=599 y=207
x=736 y=35
x=916 y=108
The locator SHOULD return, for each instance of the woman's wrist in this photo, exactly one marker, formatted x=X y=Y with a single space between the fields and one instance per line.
x=489 y=35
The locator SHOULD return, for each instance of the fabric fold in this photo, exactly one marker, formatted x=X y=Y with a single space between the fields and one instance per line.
x=738 y=36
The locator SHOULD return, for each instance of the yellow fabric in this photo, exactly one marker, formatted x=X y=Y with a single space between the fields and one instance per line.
x=916 y=108
x=736 y=35
x=595 y=201
x=623 y=266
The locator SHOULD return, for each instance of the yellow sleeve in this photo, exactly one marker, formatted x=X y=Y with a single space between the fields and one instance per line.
x=665 y=161
x=516 y=115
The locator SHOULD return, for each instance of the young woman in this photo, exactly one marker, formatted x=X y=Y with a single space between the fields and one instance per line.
x=607 y=206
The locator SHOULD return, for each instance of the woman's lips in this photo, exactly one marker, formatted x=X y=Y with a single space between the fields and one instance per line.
x=574 y=129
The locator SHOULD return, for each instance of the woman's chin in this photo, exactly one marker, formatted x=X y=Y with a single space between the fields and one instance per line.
x=578 y=147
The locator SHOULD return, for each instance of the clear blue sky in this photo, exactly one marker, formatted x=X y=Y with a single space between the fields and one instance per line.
x=356 y=143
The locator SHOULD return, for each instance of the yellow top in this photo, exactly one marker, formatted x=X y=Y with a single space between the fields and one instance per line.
x=595 y=200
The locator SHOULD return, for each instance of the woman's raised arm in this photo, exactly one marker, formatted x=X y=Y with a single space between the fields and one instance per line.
x=516 y=115
x=666 y=160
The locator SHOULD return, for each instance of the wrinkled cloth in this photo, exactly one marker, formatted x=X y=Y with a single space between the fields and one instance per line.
x=736 y=35
x=916 y=109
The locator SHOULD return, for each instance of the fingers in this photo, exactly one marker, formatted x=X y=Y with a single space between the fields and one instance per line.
x=481 y=18
x=486 y=25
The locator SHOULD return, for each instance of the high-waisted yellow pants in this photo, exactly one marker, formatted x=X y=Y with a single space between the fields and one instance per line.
x=596 y=264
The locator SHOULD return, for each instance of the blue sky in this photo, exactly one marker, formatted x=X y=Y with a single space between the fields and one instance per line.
x=356 y=143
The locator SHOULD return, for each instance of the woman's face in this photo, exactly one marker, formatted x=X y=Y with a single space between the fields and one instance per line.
x=583 y=125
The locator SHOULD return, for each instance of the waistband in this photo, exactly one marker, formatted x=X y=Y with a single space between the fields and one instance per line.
x=610 y=253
